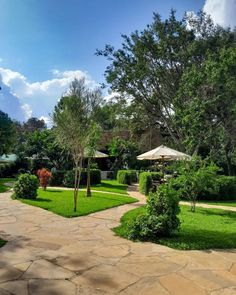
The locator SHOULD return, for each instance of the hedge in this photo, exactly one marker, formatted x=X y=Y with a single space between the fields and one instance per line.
x=226 y=190
x=95 y=177
x=145 y=182
x=127 y=176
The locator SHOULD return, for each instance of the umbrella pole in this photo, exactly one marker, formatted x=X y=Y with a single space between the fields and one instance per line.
x=162 y=162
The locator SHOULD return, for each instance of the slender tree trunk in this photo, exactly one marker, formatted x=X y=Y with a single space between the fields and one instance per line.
x=78 y=168
x=88 y=179
x=229 y=165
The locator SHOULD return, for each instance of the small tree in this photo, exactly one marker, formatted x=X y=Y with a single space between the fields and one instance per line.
x=72 y=119
x=44 y=177
x=196 y=176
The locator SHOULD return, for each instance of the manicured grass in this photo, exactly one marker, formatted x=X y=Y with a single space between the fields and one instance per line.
x=4 y=188
x=2 y=242
x=222 y=203
x=61 y=202
x=204 y=229
x=109 y=186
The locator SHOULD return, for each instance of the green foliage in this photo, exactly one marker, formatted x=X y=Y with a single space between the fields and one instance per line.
x=26 y=186
x=161 y=217
x=226 y=189
x=124 y=177
x=127 y=176
x=69 y=177
x=196 y=176
x=7 y=133
x=145 y=182
x=57 y=177
x=125 y=153
x=3 y=187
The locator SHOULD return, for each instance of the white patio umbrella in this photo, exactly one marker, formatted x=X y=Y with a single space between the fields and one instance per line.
x=163 y=153
x=97 y=154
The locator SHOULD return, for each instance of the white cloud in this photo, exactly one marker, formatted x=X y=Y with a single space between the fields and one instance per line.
x=39 y=98
x=27 y=110
x=111 y=95
x=222 y=11
x=47 y=120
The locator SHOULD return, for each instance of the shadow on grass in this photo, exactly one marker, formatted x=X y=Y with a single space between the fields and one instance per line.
x=216 y=212
x=112 y=186
x=37 y=200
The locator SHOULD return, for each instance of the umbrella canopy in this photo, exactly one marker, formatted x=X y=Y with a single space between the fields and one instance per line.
x=97 y=155
x=164 y=153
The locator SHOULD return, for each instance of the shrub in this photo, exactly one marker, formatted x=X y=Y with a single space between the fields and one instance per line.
x=44 y=177
x=124 y=177
x=57 y=178
x=145 y=182
x=226 y=189
x=161 y=219
x=95 y=177
x=127 y=176
x=26 y=186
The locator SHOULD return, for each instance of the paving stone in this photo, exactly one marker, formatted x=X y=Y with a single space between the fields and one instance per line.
x=233 y=269
x=145 y=286
x=178 y=285
x=9 y=273
x=112 y=251
x=52 y=287
x=105 y=278
x=43 y=269
x=19 y=287
x=227 y=291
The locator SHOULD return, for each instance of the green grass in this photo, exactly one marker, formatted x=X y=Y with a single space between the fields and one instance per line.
x=222 y=203
x=204 y=229
x=61 y=202
x=110 y=186
x=4 y=188
x=2 y=242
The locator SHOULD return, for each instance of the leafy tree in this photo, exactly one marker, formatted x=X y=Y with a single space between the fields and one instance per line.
x=34 y=124
x=149 y=67
x=125 y=153
x=209 y=92
x=7 y=133
x=72 y=118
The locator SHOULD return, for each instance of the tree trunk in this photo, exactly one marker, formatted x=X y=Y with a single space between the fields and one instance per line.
x=88 y=180
x=78 y=168
x=229 y=165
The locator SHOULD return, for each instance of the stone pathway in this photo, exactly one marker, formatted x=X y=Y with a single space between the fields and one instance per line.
x=209 y=206
x=49 y=254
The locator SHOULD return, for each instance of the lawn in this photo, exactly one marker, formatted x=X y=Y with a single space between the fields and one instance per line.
x=111 y=186
x=204 y=229
x=4 y=188
x=222 y=203
x=61 y=202
x=2 y=242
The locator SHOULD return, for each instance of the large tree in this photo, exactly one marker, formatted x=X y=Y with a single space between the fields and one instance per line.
x=73 y=120
x=149 y=67
x=7 y=133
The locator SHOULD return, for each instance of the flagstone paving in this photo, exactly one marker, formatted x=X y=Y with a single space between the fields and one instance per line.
x=49 y=254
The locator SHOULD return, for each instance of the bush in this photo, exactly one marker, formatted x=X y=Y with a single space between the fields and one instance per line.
x=161 y=218
x=95 y=177
x=226 y=190
x=145 y=182
x=127 y=176
x=156 y=176
x=124 y=177
x=57 y=178
x=26 y=186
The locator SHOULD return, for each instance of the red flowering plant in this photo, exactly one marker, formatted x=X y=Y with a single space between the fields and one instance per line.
x=44 y=175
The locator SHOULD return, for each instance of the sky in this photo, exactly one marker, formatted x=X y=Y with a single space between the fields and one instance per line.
x=46 y=44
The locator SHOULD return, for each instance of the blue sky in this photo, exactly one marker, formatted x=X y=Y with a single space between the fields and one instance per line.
x=45 y=43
